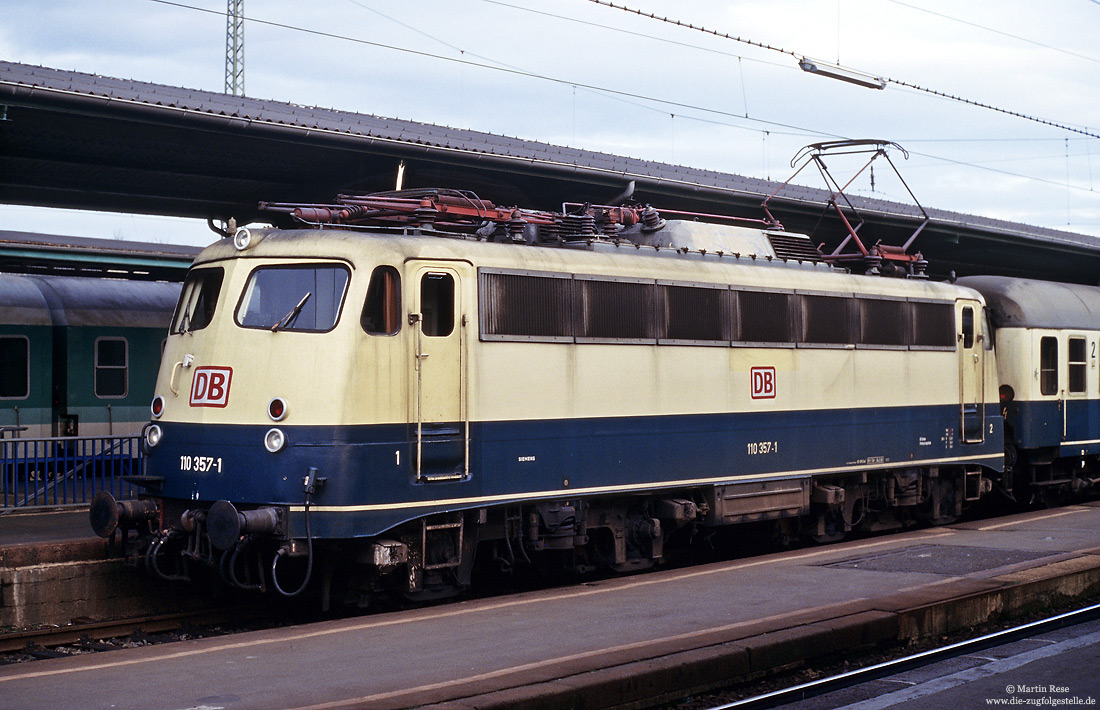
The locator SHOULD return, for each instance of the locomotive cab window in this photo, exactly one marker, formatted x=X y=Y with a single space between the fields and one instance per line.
x=111 y=367
x=382 y=311
x=1078 y=366
x=15 y=367
x=198 y=299
x=1048 y=365
x=437 y=304
x=305 y=297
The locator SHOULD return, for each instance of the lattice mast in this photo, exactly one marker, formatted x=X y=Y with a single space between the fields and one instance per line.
x=234 y=48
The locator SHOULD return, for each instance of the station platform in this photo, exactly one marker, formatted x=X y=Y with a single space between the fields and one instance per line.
x=54 y=570
x=25 y=527
x=608 y=643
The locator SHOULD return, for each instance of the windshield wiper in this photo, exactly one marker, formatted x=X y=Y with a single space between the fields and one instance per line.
x=289 y=318
x=185 y=319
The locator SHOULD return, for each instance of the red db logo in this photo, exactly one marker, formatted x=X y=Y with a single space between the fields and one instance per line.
x=763 y=382
x=210 y=387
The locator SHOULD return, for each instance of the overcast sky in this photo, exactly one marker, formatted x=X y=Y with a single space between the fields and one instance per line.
x=598 y=78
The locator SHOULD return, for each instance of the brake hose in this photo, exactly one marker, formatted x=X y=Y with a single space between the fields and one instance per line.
x=309 y=557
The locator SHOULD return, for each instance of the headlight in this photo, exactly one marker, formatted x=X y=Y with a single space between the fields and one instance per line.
x=153 y=434
x=242 y=238
x=274 y=440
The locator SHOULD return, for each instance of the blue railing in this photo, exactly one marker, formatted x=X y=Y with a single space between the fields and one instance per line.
x=67 y=470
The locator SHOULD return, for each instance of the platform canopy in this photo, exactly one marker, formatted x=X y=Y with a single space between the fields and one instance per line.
x=75 y=140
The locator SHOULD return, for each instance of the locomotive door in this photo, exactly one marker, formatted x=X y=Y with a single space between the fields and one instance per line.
x=438 y=413
x=971 y=348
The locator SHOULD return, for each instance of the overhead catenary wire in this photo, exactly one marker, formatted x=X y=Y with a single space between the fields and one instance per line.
x=509 y=70
x=889 y=80
x=996 y=31
x=798 y=130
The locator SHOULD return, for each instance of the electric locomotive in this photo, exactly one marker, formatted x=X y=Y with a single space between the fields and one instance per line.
x=407 y=383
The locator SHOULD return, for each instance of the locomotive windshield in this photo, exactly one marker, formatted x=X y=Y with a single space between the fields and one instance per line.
x=296 y=298
x=197 y=300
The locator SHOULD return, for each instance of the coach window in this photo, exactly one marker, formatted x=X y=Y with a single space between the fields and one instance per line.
x=382 y=311
x=1078 y=365
x=437 y=303
x=111 y=366
x=1048 y=365
x=15 y=367
x=198 y=299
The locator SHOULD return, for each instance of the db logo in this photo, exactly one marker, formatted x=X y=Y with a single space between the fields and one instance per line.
x=210 y=387
x=763 y=382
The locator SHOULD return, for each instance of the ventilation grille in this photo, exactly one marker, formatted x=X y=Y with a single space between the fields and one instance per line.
x=796 y=247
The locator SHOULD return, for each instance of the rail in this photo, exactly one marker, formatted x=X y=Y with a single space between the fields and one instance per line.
x=66 y=470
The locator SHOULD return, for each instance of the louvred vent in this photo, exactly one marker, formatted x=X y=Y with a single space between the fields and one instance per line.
x=796 y=247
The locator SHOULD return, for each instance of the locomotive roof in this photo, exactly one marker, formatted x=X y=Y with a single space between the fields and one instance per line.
x=604 y=258
x=1029 y=303
x=83 y=301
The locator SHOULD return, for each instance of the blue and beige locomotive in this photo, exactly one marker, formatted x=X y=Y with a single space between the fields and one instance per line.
x=437 y=380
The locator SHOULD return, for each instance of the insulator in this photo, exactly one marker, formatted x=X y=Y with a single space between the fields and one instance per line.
x=550 y=233
x=426 y=214
x=578 y=225
x=515 y=228
x=651 y=219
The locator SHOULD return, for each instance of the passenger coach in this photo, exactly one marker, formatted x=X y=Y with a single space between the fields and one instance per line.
x=1046 y=334
x=77 y=354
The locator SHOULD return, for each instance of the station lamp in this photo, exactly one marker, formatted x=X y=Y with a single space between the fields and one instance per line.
x=835 y=71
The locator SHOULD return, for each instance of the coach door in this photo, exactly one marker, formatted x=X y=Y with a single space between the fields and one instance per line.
x=971 y=348
x=438 y=412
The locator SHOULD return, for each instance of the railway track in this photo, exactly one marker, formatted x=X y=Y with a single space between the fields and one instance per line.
x=786 y=689
x=90 y=636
